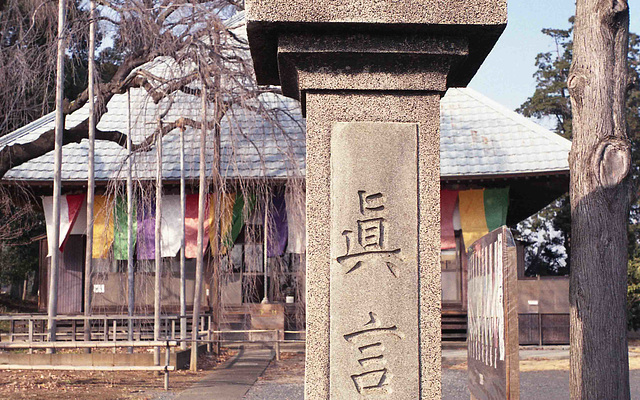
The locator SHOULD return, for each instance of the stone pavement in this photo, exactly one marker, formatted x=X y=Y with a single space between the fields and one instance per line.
x=232 y=379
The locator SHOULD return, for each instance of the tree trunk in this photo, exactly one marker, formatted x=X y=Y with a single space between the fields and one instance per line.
x=600 y=162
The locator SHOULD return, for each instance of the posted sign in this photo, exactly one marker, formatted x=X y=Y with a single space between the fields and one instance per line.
x=493 y=317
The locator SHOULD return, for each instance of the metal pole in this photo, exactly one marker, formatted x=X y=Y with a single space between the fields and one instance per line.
x=265 y=250
x=183 y=279
x=201 y=210
x=88 y=262
x=158 y=243
x=57 y=176
x=131 y=278
x=167 y=361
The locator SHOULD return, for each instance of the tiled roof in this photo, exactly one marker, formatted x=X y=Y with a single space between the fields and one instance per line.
x=250 y=146
x=481 y=137
x=478 y=137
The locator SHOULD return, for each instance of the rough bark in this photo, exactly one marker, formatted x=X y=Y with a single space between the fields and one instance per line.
x=600 y=162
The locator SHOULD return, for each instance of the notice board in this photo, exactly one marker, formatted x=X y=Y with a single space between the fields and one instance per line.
x=492 y=343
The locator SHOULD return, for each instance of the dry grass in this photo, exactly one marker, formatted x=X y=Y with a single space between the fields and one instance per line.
x=99 y=385
x=290 y=369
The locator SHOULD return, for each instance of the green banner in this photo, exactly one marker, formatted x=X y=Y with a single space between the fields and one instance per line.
x=496 y=205
x=120 y=250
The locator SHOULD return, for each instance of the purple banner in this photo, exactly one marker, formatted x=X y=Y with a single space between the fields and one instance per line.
x=278 y=229
x=146 y=248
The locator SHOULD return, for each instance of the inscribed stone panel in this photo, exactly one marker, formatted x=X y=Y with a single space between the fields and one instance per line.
x=374 y=265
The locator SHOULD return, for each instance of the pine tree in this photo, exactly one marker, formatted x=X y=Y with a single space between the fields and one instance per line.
x=551 y=101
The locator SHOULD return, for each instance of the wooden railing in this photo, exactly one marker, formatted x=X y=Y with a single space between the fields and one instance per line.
x=87 y=345
x=104 y=328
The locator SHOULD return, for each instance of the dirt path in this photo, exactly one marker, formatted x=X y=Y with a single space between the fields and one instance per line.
x=99 y=385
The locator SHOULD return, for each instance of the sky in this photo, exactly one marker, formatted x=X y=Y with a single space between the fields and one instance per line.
x=507 y=74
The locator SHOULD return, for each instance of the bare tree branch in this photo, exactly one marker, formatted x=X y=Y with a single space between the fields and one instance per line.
x=147 y=30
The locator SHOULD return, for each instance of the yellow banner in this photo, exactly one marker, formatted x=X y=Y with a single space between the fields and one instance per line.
x=472 y=216
x=226 y=219
x=102 y=227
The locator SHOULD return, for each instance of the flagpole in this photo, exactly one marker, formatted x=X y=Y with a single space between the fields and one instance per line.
x=183 y=279
x=88 y=264
x=201 y=209
x=57 y=177
x=265 y=250
x=131 y=278
x=158 y=243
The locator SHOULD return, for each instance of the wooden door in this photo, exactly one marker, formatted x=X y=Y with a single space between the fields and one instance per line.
x=71 y=276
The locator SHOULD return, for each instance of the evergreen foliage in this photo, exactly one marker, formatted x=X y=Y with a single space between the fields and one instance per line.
x=549 y=231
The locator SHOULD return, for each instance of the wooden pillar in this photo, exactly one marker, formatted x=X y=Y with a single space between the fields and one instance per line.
x=131 y=279
x=57 y=176
x=88 y=263
x=201 y=210
x=183 y=280
x=218 y=187
x=265 y=235
x=158 y=244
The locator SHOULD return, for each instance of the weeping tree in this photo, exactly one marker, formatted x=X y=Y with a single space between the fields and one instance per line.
x=173 y=52
x=600 y=164
x=28 y=58
x=142 y=31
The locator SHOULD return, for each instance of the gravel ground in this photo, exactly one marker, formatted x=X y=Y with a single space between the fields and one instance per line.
x=542 y=385
x=264 y=390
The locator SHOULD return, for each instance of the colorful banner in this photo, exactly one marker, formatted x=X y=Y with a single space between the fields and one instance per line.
x=277 y=232
x=146 y=232
x=102 y=226
x=70 y=206
x=171 y=225
x=482 y=211
x=120 y=241
x=496 y=205
x=448 y=202
x=191 y=226
x=472 y=215
x=226 y=219
x=296 y=221
x=237 y=221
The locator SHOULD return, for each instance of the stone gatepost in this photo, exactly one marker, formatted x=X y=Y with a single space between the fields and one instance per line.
x=370 y=75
